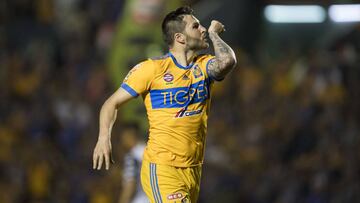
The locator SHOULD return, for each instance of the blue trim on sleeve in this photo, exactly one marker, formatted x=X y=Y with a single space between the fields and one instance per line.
x=179 y=65
x=207 y=71
x=129 y=90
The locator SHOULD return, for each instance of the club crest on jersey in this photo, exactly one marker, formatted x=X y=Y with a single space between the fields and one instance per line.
x=168 y=77
x=174 y=196
x=197 y=71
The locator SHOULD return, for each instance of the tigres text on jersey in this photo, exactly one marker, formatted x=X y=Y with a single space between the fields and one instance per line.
x=177 y=100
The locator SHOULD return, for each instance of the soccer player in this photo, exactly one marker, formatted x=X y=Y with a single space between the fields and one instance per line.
x=176 y=92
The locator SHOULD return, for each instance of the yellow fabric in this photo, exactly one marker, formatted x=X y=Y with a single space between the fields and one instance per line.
x=177 y=100
x=163 y=183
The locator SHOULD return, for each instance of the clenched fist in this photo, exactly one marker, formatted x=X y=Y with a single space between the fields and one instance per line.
x=216 y=27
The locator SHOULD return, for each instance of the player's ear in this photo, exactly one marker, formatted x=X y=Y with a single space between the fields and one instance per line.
x=179 y=37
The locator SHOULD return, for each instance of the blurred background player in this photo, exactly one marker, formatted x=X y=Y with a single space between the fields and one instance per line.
x=133 y=144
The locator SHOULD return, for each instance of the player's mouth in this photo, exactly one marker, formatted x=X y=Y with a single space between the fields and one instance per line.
x=204 y=38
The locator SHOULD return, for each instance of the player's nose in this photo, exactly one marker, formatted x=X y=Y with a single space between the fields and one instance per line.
x=203 y=30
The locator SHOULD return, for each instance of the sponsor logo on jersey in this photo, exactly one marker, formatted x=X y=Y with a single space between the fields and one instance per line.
x=174 y=196
x=184 y=113
x=197 y=71
x=180 y=97
x=168 y=77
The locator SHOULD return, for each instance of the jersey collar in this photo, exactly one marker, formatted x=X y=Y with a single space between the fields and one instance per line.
x=179 y=65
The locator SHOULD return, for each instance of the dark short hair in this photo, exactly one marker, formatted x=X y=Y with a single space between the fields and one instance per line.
x=173 y=23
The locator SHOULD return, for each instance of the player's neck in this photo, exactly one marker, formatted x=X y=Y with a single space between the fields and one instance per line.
x=183 y=57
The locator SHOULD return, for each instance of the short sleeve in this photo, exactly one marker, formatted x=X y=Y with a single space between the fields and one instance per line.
x=139 y=78
x=207 y=60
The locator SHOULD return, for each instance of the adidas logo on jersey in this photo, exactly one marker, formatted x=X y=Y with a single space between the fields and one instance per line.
x=185 y=77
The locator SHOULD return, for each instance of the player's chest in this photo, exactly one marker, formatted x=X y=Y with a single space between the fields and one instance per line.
x=179 y=88
x=173 y=77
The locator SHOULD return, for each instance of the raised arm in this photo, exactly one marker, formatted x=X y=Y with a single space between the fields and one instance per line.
x=225 y=58
x=102 y=151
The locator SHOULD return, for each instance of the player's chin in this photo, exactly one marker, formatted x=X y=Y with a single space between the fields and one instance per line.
x=201 y=46
x=205 y=45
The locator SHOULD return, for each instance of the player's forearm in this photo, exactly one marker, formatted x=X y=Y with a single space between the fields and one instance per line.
x=108 y=111
x=107 y=119
x=225 y=56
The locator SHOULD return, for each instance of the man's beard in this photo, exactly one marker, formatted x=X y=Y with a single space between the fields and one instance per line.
x=196 y=44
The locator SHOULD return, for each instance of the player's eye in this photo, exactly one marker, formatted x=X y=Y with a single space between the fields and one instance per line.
x=196 y=26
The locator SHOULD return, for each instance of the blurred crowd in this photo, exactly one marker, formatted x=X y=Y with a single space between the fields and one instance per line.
x=53 y=81
x=286 y=128
x=281 y=129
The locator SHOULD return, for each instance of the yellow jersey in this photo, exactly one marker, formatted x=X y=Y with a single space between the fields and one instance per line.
x=177 y=101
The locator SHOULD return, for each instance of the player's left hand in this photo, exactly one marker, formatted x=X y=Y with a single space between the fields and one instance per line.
x=216 y=27
x=102 y=153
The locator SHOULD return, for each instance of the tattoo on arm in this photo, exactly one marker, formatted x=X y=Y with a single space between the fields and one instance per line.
x=225 y=58
x=221 y=46
x=214 y=69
